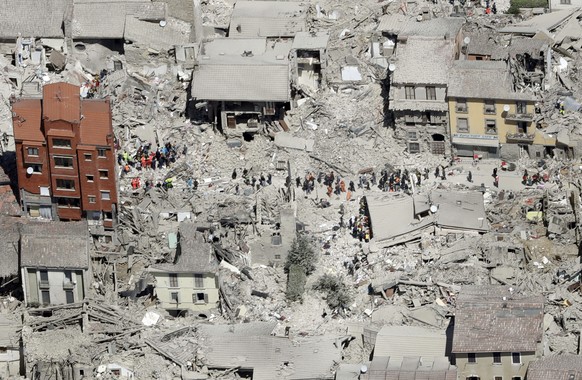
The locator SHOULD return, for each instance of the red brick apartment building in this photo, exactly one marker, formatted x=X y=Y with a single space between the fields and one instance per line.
x=65 y=156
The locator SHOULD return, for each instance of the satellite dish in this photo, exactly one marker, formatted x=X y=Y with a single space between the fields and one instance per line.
x=363 y=369
x=392 y=67
x=162 y=23
x=29 y=170
x=506 y=108
x=434 y=208
x=466 y=40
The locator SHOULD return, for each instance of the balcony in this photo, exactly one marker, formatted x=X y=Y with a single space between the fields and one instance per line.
x=68 y=285
x=520 y=138
x=518 y=117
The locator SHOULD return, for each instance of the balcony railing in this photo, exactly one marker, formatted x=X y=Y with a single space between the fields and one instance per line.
x=520 y=137
x=519 y=117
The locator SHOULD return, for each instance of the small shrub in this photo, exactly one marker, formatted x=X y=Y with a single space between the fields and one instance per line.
x=337 y=292
x=302 y=254
x=516 y=4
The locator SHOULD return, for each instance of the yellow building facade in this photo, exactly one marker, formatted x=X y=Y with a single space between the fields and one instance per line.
x=186 y=291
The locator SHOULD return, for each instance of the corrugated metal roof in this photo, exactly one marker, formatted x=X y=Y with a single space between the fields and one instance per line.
x=61 y=101
x=96 y=122
x=107 y=19
x=241 y=82
x=403 y=341
x=27 y=120
x=152 y=35
x=55 y=245
x=559 y=367
x=424 y=60
x=36 y=18
x=486 y=322
x=268 y=18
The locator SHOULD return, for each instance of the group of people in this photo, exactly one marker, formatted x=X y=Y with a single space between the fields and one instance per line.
x=534 y=179
x=146 y=158
x=360 y=225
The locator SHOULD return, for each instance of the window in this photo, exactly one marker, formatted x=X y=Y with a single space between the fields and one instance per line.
x=101 y=152
x=32 y=151
x=68 y=202
x=412 y=135
x=413 y=147
x=473 y=378
x=490 y=127
x=516 y=378
x=69 y=296
x=409 y=92
x=200 y=298
x=566 y=2
x=44 y=280
x=198 y=280
x=88 y=156
x=173 y=280
x=105 y=195
x=174 y=296
x=107 y=215
x=497 y=357
x=90 y=177
x=277 y=257
x=62 y=143
x=103 y=173
x=92 y=199
x=63 y=162
x=46 y=297
x=461 y=105
x=498 y=378
x=276 y=239
x=36 y=168
x=462 y=124
x=471 y=358
x=516 y=358
x=430 y=93
x=489 y=106
x=65 y=184
x=520 y=107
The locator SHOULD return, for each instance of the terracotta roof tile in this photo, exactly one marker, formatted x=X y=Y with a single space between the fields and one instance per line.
x=559 y=367
x=26 y=119
x=96 y=122
x=62 y=101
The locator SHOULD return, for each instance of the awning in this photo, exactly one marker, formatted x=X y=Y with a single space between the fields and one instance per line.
x=476 y=142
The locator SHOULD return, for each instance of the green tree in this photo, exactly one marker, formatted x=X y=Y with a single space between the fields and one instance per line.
x=301 y=254
x=296 y=280
x=336 y=291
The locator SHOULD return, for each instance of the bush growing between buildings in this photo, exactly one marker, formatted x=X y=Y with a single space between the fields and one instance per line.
x=301 y=254
x=296 y=280
x=516 y=4
x=337 y=292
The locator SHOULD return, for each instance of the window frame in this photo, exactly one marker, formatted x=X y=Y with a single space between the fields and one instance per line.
x=489 y=107
x=101 y=150
x=105 y=195
x=103 y=174
x=64 y=158
x=196 y=298
x=461 y=105
x=459 y=130
x=88 y=156
x=175 y=297
x=412 y=135
x=515 y=355
x=431 y=90
x=497 y=358
x=520 y=107
x=416 y=144
x=173 y=280
x=92 y=199
x=90 y=177
x=471 y=358
x=33 y=149
x=409 y=93
x=34 y=166
x=67 y=143
x=198 y=280
x=488 y=121
x=72 y=181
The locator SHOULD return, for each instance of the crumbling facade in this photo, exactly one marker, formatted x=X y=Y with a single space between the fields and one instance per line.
x=65 y=156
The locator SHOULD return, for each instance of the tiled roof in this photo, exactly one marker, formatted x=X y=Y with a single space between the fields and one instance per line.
x=423 y=60
x=403 y=341
x=9 y=246
x=96 y=122
x=485 y=44
x=32 y=18
x=107 y=19
x=486 y=322
x=54 y=245
x=195 y=255
x=61 y=101
x=559 y=367
x=27 y=120
x=152 y=35
x=241 y=82
x=411 y=368
x=275 y=357
x=267 y=18
x=475 y=79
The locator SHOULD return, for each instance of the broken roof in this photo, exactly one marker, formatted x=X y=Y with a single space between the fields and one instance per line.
x=62 y=245
x=26 y=116
x=486 y=44
x=423 y=60
x=107 y=19
x=463 y=210
x=546 y=21
x=267 y=18
x=273 y=357
x=307 y=41
x=412 y=368
x=402 y=341
x=494 y=318
x=9 y=246
x=559 y=367
x=483 y=80
x=37 y=18
x=441 y=27
x=152 y=35
x=195 y=254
